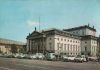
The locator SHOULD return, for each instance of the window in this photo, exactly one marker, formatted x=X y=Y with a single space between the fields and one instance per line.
x=70 y=40
x=58 y=39
x=64 y=46
x=6 y=46
x=94 y=42
x=94 y=48
x=50 y=38
x=65 y=39
x=61 y=46
x=50 y=46
x=71 y=47
x=82 y=32
x=76 y=32
x=76 y=47
x=61 y=39
x=71 y=53
x=68 y=47
x=58 y=46
x=85 y=48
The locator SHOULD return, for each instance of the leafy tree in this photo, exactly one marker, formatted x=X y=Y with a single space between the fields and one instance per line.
x=0 y=51
x=13 y=48
x=22 y=49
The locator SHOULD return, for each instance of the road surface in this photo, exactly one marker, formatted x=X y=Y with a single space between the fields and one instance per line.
x=26 y=64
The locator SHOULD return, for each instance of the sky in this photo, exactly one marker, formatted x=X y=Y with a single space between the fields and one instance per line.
x=18 y=18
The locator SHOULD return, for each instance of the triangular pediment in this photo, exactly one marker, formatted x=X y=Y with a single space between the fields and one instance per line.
x=35 y=33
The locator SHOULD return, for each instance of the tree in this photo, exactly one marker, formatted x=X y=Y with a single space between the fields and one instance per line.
x=23 y=49
x=13 y=48
x=0 y=50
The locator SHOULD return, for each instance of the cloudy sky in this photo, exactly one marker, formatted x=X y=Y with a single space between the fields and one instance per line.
x=19 y=17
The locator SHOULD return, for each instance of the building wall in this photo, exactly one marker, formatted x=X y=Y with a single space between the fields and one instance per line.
x=5 y=49
x=98 y=42
x=67 y=45
x=90 y=32
x=86 y=46
x=93 y=47
x=50 y=43
x=89 y=47
x=27 y=45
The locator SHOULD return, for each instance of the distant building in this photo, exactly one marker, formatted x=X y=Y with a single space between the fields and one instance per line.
x=6 y=44
x=73 y=41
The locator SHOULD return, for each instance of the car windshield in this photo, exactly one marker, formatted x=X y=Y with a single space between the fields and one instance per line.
x=70 y=56
x=78 y=56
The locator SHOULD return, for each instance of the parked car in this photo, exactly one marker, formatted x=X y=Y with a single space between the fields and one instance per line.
x=93 y=58
x=1 y=55
x=69 y=58
x=33 y=56
x=50 y=56
x=10 y=56
x=98 y=59
x=64 y=58
x=27 y=56
x=30 y=56
x=80 y=58
x=39 y=55
x=16 y=55
x=20 y=56
x=4 y=55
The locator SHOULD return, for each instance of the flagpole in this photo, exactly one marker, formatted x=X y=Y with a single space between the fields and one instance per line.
x=39 y=23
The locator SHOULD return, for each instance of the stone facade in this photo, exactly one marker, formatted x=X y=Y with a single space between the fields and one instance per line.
x=73 y=41
x=88 y=39
x=54 y=40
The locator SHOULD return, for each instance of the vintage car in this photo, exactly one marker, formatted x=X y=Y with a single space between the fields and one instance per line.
x=68 y=58
x=80 y=58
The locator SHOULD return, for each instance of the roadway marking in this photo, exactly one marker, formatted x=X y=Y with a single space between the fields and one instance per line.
x=33 y=66
x=5 y=68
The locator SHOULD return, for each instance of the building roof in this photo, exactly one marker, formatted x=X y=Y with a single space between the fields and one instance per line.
x=52 y=31
x=8 y=41
x=80 y=27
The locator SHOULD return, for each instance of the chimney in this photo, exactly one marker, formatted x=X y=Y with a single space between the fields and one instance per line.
x=88 y=24
x=42 y=30
x=35 y=28
x=93 y=26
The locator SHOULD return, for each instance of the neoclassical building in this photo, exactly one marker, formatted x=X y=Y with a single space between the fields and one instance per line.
x=72 y=41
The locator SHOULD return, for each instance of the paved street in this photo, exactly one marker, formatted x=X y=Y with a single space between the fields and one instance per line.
x=25 y=64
